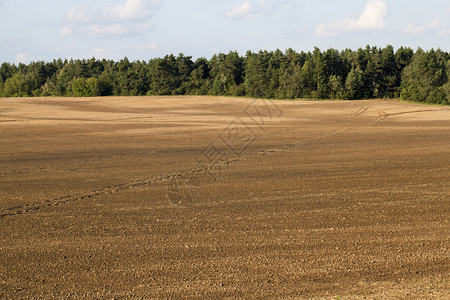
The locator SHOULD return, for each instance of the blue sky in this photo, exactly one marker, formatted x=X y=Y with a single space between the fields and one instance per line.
x=143 y=29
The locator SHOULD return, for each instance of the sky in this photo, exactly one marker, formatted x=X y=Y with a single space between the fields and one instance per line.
x=144 y=29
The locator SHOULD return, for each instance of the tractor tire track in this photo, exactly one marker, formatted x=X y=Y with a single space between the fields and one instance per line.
x=415 y=111
x=119 y=156
x=355 y=114
x=19 y=210
x=70 y=164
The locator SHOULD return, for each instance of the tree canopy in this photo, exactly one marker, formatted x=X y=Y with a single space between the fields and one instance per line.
x=366 y=73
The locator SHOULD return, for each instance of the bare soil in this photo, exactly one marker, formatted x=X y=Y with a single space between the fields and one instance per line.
x=202 y=197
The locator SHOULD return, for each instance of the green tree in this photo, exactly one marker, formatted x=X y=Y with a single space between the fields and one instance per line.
x=277 y=64
x=354 y=84
x=388 y=78
x=291 y=82
x=106 y=83
x=199 y=82
x=170 y=75
x=226 y=71
x=320 y=74
x=368 y=72
x=256 y=80
x=19 y=85
x=82 y=87
x=2 y=93
x=163 y=76
x=403 y=57
x=7 y=71
x=336 y=87
x=48 y=89
x=424 y=78
x=307 y=80
x=446 y=87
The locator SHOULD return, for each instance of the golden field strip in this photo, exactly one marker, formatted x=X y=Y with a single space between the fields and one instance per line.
x=205 y=197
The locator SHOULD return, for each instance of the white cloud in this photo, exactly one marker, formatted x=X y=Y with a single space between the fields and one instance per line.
x=115 y=29
x=131 y=10
x=66 y=31
x=148 y=46
x=22 y=58
x=144 y=27
x=79 y=14
x=99 y=50
x=372 y=18
x=119 y=28
x=252 y=10
x=433 y=26
x=242 y=10
x=130 y=17
x=443 y=33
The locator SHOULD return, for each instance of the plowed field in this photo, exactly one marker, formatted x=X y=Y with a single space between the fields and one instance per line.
x=172 y=197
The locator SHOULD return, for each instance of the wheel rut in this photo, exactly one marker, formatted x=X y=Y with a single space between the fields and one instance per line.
x=28 y=208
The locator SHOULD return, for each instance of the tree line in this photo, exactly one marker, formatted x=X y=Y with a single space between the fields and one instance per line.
x=366 y=73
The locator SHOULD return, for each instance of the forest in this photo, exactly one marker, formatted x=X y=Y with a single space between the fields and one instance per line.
x=366 y=73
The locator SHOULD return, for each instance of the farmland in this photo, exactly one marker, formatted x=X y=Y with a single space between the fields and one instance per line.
x=192 y=196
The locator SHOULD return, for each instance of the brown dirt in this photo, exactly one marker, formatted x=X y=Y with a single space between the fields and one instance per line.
x=105 y=198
